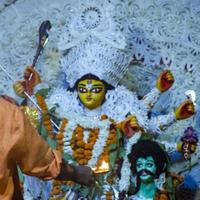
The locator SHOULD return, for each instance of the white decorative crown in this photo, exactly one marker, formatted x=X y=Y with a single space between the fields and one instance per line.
x=94 y=40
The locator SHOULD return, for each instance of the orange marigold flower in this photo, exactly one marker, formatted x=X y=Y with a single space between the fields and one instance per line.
x=79 y=150
x=56 y=190
x=65 y=121
x=111 y=137
x=89 y=146
x=80 y=143
x=88 y=157
x=46 y=121
x=163 y=197
x=93 y=134
x=82 y=161
x=78 y=156
x=79 y=129
x=103 y=117
x=87 y=153
x=59 y=136
x=60 y=142
x=56 y=182
x=92 y=140
x=79 y=137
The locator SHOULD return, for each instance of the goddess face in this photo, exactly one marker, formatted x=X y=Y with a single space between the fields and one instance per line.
x=91 y=93
x=146 y=168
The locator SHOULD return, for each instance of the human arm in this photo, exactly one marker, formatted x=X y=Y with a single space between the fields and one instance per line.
x=33 y=155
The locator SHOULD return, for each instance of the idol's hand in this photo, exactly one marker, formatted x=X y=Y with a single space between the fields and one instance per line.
x=130 y=126
x=183 y=146
x=185 y=110
x=31 y=79
x=165 y=81
x=19 y=88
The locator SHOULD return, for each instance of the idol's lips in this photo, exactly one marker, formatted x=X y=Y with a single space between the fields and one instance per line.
x=89 y=99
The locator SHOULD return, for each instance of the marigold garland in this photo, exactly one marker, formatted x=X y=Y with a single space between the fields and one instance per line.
x=46 y=118
x=82 y=151
x=56 y=188
x=60 y=136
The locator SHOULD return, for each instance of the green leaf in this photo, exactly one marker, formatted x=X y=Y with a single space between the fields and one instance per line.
x=20 y=174
x=170 y=187
x=119 y=135
x=51 y=142
x=146 y=136
x=44 y=92
x=85 y=191
x=122 y=152
x=67 y=156
x=112 y=158
x=112 y=147
x=42 y=130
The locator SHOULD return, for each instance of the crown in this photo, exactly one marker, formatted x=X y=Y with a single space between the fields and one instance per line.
x=95 y=41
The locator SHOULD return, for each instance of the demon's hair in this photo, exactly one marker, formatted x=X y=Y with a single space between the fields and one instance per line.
x=145 y=148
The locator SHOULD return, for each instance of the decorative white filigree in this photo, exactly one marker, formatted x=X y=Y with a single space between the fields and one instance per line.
x=96 y=40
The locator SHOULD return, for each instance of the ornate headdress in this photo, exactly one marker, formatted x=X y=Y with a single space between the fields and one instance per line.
x=95 y=40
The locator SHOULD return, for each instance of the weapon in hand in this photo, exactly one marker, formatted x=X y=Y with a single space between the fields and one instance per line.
x=43 y=39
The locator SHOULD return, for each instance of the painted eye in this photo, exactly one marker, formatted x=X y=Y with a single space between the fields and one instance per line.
x=96 y=90
x=149 y=164
x=82 y=90
x=138 y=165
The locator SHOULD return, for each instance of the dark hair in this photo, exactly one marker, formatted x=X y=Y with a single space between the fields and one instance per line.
x=91 y=76
x=145 y=148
